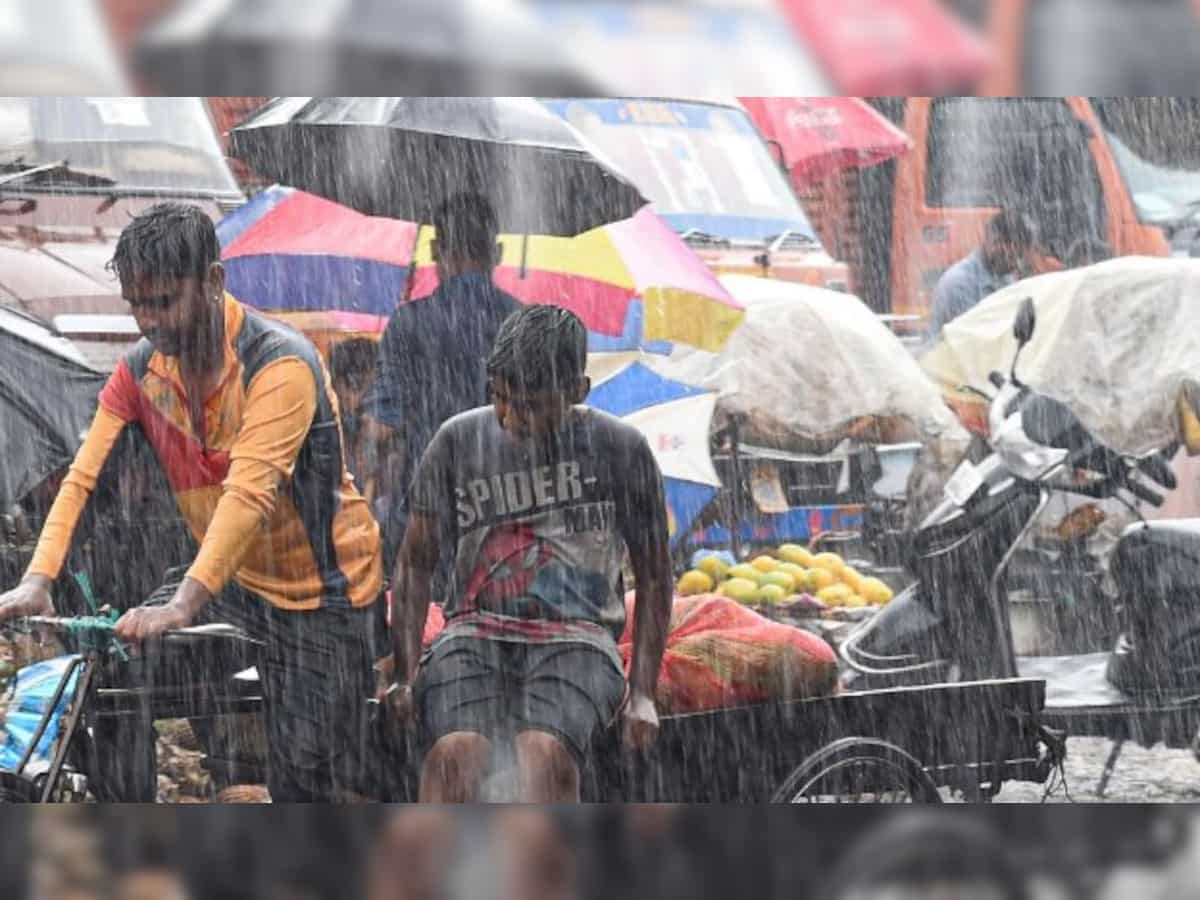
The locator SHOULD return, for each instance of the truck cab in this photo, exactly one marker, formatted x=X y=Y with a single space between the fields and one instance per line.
x=711 y=177
x=73 y=170
x=1073 y=164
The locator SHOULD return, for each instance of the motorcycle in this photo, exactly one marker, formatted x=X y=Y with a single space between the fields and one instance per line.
x=953 y=623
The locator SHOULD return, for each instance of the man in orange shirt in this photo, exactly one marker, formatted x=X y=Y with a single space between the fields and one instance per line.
x=241 y=416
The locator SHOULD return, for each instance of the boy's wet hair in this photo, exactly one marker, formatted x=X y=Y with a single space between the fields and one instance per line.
x=540 y=348
x=467 y=227
x=170 y=240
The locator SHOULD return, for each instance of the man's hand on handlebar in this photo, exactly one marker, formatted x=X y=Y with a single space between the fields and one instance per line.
x=145 y=623
x=29 y=598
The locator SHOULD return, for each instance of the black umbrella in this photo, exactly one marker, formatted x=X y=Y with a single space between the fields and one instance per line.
x=47 y=398
x=401 y=156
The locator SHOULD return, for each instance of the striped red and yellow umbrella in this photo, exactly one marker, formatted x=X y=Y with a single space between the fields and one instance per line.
x=634 y=282
x=327 y=268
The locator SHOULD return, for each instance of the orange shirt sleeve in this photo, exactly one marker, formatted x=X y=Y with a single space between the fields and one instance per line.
x=281 y=402
x=72 y=497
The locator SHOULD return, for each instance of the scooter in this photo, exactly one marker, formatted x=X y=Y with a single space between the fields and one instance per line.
x=953 y=623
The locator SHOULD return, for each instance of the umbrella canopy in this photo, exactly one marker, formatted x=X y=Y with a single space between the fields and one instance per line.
x=316 y=263
x=822 y=135
x=326 y=266
x=47 y=399
x=675 y=420
x=885 y=47
x=633 y=280
x=808 y=362
x=402 y=156
x=1115 y=342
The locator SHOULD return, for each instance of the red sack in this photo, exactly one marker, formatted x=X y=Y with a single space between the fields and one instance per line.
x=721 y=654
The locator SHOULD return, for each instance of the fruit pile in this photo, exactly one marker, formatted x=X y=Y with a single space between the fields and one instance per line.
x=790 y=574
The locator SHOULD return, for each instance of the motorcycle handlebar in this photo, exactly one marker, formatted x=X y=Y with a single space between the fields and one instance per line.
x=1142 y=492
x=1157 y=467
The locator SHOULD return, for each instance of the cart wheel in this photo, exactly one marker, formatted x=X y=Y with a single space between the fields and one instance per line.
x=15 y=789
x=916 y=850
x=859 y=770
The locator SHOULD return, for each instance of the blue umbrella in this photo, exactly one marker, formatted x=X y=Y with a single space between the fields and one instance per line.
x=675 y=419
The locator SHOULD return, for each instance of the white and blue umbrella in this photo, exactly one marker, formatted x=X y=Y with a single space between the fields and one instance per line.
x=675 y=419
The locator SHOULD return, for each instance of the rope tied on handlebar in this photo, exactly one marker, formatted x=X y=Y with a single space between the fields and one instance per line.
x=95 y=634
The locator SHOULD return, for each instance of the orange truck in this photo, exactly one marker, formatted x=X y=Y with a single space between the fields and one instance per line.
x=713 y=179
x=1072 y=163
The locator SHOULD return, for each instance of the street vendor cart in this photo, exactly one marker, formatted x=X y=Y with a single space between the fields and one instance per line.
x=899 y=745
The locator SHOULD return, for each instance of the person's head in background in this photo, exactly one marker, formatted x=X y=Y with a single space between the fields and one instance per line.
x=1087 y=251
x=466 y=231
x=351 y=370
x=1009 y=242
x=537 y=370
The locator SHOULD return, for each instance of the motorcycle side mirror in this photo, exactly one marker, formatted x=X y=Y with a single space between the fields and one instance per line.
x=1023 y=327
x=1025 y=322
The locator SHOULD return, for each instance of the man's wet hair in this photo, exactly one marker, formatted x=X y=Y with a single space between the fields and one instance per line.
x=1014 y=228
x=170 y=240
x=353 y=361
x=1086 y=251
x=467 y=227
x=540 y=348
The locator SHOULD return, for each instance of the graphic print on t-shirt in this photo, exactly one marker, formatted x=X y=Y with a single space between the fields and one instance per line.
x=540 y=531
x=539 y=546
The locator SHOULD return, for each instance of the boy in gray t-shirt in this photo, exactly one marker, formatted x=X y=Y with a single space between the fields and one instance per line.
x=542 y=496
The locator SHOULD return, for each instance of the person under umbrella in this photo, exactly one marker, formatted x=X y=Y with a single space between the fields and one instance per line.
x=432 y=357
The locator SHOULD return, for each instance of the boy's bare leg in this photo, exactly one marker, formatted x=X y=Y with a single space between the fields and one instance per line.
x=547 y=770
x=454 y=768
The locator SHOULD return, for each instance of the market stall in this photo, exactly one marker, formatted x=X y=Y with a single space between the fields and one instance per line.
x=821 y=414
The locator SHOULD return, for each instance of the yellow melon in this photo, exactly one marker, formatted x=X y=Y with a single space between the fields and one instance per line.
x=852 y=579
x=834 y=595
x=746 y=571
x=830 y=561
x=694 y=582
x=772 y=593
x=713 y=568
x=741 y=589
x=799 y=574
x=794 y=553
x=765 y=563
x=819 y=579
x=876 y=592
x=779 y=579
